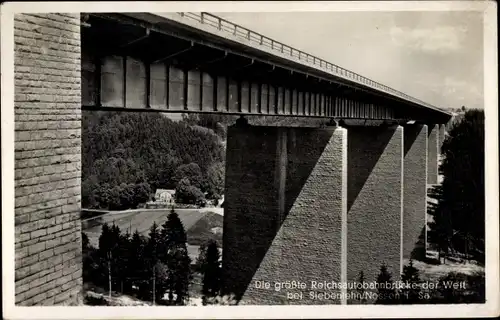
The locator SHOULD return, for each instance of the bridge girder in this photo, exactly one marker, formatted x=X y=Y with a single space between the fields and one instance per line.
x=163 y=44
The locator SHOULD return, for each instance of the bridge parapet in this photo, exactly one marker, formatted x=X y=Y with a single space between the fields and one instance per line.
x=260 y=40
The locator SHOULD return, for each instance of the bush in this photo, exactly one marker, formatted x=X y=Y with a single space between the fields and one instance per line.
x=225 y=300
x=471 y=288
x=92 y=299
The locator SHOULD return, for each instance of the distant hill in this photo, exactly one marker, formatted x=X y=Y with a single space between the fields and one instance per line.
x=208 y=227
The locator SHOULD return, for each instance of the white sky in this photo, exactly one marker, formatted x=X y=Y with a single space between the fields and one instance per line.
x=434 y=56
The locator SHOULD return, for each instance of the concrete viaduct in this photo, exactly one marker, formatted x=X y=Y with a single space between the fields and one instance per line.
x=302 y=204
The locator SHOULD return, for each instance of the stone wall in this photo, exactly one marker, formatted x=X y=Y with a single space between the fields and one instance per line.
x=48 y=267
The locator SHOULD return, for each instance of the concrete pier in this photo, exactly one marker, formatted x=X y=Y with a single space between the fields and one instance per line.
x=415 y=191
x=432 y=153
x=285 y=214
x=375 y=201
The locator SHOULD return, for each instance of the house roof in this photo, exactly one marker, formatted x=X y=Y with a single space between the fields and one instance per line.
x=159 y=191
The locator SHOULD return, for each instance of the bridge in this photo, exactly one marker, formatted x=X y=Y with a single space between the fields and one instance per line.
x=302 y=204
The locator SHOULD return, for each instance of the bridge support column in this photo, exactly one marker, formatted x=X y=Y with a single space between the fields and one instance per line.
x=285 y=212
x=48 y=249
x=433 y=152
x=415 y=192
x=375 y=202
x=291 y=214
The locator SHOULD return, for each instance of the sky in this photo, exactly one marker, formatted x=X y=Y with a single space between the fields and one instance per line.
x=435 y=56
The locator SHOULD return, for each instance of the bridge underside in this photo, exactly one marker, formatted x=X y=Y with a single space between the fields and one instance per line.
x=133 y=64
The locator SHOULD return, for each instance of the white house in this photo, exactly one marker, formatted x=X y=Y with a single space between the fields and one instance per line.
x=165 y=195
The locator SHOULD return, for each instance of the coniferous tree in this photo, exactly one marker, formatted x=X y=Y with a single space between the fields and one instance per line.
x=361 y=291
x=139 y=274
x=386 y=291
x=411 y=285
x=152 y=251
x=115 y=258
x=459 y=212
x=440 y=229
x=106 y=247
x=90 y=261
x=125 y=258
x=176 y=258
x=202 y=257
x=211 y=272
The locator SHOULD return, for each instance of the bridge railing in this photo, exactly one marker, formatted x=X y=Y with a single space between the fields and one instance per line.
x=259 y=39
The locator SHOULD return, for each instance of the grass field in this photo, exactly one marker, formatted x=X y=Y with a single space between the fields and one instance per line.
x=142 y=219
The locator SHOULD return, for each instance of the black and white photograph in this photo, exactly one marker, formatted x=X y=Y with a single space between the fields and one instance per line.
x=173 y=156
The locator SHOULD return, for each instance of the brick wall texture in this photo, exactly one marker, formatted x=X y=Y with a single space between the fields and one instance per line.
x=48 y=268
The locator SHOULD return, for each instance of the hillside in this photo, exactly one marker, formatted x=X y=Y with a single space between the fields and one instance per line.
x=127 y=155
x=198 y=224
x=208 y=227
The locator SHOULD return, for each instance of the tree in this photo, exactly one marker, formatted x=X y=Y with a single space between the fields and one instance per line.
x=176 y=258
x=361 y=290
x=190 y=118
x=386 y=290
x=90 y=261
x=190 y=171
x=108 y=244
x=124 y=260
x=142 y=192
x=411 y=284
x=215 y=180
x=152 y=250
x=89 y=192
x=460 y=207
x=138 y=265
x=211 y=272
x=440 y=229
x=202 y=257
x=188 y=194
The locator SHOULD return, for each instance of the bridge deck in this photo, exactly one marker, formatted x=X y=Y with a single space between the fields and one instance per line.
x=197 y=62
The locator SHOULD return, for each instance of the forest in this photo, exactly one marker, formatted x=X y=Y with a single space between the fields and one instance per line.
x=153 y=268
x=126 y=156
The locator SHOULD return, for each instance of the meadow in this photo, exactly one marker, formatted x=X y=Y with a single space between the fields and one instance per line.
x=194 y=221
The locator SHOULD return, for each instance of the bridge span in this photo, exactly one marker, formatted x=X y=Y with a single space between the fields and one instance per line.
x=197 y=62
x=303 y=204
